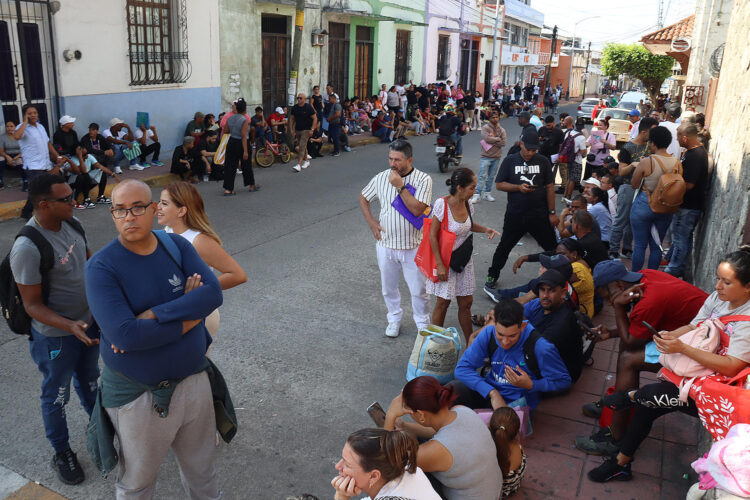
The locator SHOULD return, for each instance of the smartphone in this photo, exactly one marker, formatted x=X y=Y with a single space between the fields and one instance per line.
x=651 y=329
x=589 y=330
x=377 y=414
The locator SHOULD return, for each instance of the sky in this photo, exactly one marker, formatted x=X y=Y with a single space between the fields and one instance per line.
x=625 y=21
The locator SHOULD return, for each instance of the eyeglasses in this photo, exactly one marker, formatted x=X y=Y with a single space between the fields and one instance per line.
x=136 y=210
x=67 y=199
x=300 y=98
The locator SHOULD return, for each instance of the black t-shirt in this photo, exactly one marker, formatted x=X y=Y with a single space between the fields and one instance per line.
x=551 y=141
x=209 y=147
x=469 y=102
x=303 y=116
x=257 y=121
x=517 y=149
x=560 y=329
x=448 y=124
x=594 y=250
x=67 y=142
x=695 y=171
x=537 y=172
x=411 y=97
x=317 y=102
x=424 y=100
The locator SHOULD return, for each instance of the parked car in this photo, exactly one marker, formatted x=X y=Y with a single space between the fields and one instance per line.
x=630 y=100
x=586 y=108
x=619 y=124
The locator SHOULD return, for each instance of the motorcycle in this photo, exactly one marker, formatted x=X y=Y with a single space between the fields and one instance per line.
x=446 y=150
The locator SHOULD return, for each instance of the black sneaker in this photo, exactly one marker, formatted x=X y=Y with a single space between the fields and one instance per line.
x=610 y=470
x=492 y=293
x=490 y=282
x=600 y=442
x=67 y=467
x=593 y=410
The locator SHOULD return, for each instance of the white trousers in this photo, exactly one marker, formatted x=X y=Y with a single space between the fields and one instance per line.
x=392 y=263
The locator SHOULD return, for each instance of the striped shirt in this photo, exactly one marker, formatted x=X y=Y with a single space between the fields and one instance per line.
x=399 y=234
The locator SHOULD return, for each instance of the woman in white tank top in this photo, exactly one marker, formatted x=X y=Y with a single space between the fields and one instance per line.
x=181 y=211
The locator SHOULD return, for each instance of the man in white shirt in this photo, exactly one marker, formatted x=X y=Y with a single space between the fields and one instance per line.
x=673 y=112
x=397 y=238
x=149 y=142
x=635 y=118
x=121 y=138
x=536 y=94
x=608 y=186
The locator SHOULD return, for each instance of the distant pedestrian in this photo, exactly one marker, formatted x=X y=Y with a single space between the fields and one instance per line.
x=302 y=120
x=493 y=140
x=397 y=238
x=238 y=151
x=334 y=118
x=64 y=341
x=10 y=154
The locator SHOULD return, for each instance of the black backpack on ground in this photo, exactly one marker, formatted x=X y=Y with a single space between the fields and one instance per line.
x=529 y=353
x=10 y=298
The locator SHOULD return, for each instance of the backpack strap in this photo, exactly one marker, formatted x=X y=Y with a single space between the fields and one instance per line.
x=735 y=317
x=46 y=254
x=529 y=353
x=76 y=224
x=170 y=246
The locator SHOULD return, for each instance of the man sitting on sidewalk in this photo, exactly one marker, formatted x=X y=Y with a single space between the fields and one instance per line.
x=512 y=374
x=149 y=143
x=654 y=297
x=97 y=145
x=121 y=138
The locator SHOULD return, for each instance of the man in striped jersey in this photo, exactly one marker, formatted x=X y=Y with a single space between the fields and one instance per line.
x=397 y=238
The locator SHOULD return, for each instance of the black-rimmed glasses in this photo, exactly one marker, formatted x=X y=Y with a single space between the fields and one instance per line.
x=67 y=199
x=136 y=210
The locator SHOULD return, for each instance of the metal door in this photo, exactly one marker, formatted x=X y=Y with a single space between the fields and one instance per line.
x=27 y=64
x=403 y=56
x=275 y=61
x=338 y=58
x=363 y=62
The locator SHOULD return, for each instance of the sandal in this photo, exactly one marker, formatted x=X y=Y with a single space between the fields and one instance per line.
x=477 y=320
x=255 y=188
x=229 y=193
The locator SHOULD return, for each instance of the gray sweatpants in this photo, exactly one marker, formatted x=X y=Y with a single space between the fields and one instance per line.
x=145 y=438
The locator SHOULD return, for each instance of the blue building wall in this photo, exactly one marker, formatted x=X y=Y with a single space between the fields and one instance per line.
x=169 y=110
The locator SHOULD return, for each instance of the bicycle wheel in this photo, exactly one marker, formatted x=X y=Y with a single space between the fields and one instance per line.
x=284 y=154
x=264 y=157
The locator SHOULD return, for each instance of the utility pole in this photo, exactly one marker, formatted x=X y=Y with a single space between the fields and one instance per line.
x=660 y=14
x=586 y=73
x=552 y=53
x=299 y=21
x=460 y=41
x=494 y=42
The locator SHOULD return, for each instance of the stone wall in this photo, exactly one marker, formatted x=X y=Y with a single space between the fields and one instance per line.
x=723 y=225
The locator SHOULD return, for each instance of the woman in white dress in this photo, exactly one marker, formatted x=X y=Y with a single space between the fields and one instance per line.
x=452 y=283
x=181 y=211
x=381 y=464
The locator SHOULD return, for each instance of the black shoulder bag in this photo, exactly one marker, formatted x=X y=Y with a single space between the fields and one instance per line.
x=461 y=255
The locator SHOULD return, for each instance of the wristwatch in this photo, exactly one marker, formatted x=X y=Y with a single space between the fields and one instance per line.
x=552 y=212
x=399 y=190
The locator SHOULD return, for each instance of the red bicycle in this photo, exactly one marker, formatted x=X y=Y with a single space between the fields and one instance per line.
x=266 y=155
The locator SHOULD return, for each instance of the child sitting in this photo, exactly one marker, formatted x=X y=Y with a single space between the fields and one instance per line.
x=504 y=427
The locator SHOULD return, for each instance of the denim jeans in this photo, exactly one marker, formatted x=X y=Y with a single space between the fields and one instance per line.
x=621 y=230
x=641 y=219
x=119 y=155
x=683 y=224
x=487 y=173
x=459 y=146
x=60 y=359
x=383 y=133
x=334 y=131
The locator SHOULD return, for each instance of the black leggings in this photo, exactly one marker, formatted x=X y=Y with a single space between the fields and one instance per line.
x=102 y=185
x=514 y=228
x=233 y=158
x=82 y=184
x=654 y=400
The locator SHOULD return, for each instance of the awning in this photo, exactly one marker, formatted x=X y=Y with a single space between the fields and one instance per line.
x=369 y=15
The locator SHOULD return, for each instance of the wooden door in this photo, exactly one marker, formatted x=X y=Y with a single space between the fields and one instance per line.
x=338 y=58
x=363 y=62
x=402 y=56
x=275 y=61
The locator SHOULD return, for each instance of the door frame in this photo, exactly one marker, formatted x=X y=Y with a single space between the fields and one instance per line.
x=278 y=93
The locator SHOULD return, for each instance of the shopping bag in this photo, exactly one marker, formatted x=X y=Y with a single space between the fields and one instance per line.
x=221 y=151
x=605 y=419
x=425 y=259
x=435 y=353
x=722 y=402
x=132 y=153
x=728 y=463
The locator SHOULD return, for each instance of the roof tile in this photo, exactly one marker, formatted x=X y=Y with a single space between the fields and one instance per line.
x=682 y=28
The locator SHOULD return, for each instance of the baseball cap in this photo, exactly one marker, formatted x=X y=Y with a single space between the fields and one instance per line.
x=634 y=112
x=593 y=181
x=557 y=262
x=67 y=119
x=551 y=277
x=608 y=271
x=279 y=110
x=115 y=121
x=530 y=139
x=197 y=115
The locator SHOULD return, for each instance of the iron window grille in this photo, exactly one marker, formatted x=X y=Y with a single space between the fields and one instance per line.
x=157 y=41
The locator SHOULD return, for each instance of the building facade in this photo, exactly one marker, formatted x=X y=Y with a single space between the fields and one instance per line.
x=98 y=60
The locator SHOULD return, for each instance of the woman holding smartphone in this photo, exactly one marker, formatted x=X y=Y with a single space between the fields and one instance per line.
x=601 y=141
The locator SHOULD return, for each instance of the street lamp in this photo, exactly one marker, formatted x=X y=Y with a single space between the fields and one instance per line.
x=573 y=49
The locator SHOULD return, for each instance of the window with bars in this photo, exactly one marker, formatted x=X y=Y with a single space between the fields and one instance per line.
x=157 y=42
x=443 y=56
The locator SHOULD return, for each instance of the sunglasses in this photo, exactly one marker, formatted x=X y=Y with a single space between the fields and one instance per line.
x=67 y=199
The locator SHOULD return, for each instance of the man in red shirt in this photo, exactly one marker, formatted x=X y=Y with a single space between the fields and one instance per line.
x=659 y=299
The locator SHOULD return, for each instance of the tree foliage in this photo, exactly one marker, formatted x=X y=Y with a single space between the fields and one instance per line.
x=636 y=61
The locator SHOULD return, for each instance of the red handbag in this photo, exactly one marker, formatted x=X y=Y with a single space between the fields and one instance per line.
x=425 y=259
x=723 y=402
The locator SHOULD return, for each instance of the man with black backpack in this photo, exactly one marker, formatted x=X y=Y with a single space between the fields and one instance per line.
x=522 y=363
x=47 y=264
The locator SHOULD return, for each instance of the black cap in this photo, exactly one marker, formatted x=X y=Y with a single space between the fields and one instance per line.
x=530 y=139
x=551 y=277
x=524 y=114
x=557 y=262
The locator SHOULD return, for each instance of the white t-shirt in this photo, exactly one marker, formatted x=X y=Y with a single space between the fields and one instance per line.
x=674 y=147
x=579 y=143
x=738 y=331
x=108 y=133
x=634 y=130
x=149 y=134
x=399 y=233
x=409 y=486
x=536 y=90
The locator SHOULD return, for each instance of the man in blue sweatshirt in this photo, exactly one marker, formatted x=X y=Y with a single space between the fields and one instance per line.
x=150 y=296
x=513 y=375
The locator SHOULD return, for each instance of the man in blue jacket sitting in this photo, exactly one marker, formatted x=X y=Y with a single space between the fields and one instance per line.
x=523 y=364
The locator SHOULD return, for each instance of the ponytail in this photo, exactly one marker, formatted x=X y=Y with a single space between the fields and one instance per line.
x=504 y=427
x=390 y=452
x=425 y=393
x=461 y=177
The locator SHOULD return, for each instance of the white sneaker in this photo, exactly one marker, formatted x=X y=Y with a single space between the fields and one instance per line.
x=205 y=178
x=135 y=167
x=297 y=168
x=475 y=199
x=392 y=330
x=309 y=157
x=239 y=171
x=118 y=170
x=488 y=197
x=305 y=164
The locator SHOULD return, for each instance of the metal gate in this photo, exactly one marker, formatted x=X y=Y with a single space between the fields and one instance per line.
x=28 y=72
x=403 y=56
